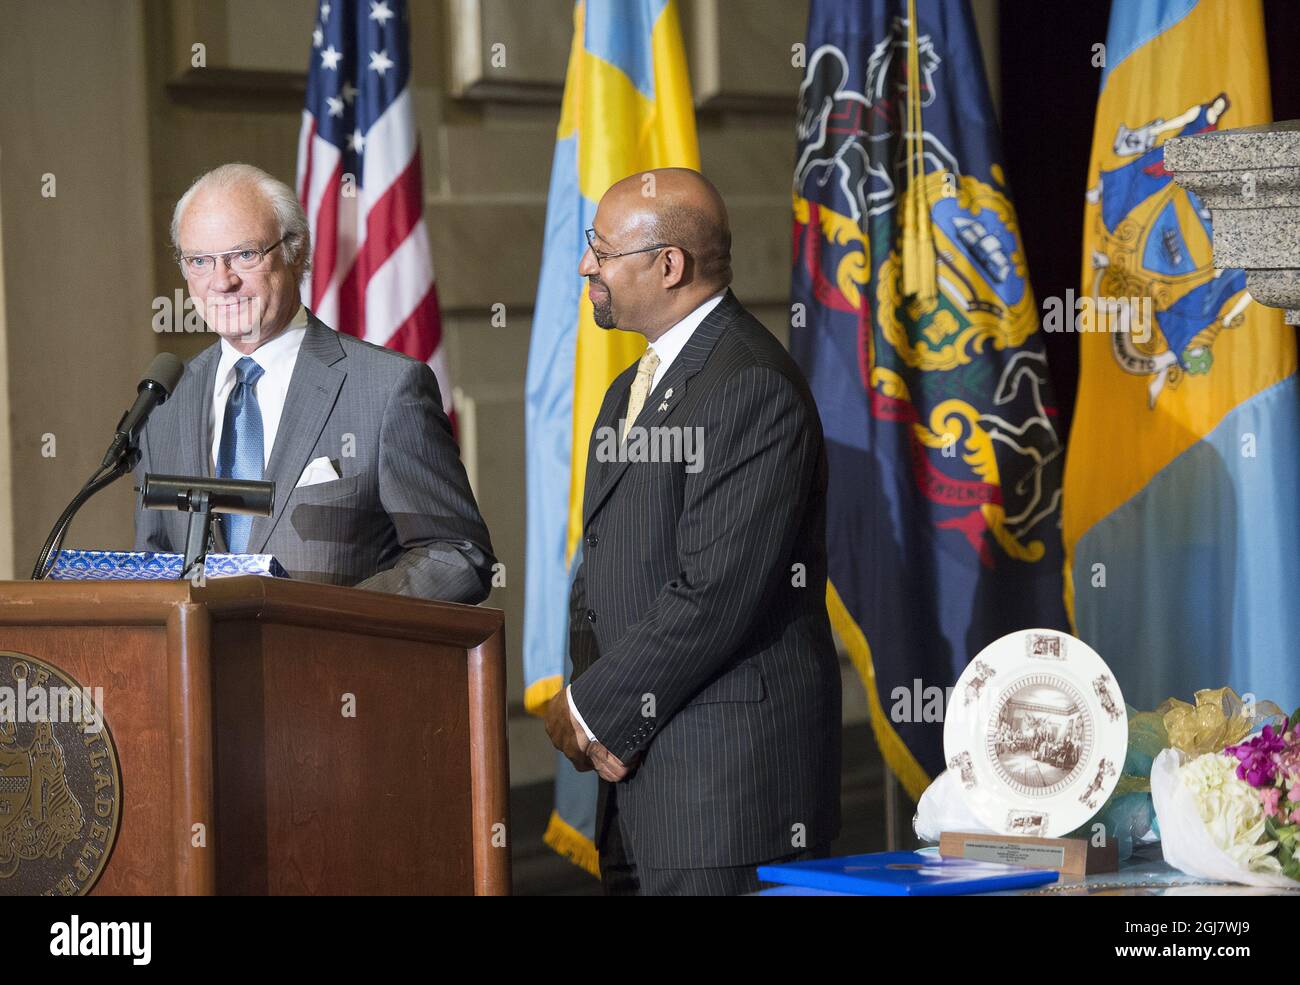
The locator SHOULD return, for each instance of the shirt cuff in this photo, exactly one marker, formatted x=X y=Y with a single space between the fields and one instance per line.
x=568 y=693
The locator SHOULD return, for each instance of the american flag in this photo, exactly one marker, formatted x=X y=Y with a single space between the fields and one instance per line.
x=359 y=180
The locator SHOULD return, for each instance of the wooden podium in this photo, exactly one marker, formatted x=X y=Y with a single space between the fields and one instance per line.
x=276 y=736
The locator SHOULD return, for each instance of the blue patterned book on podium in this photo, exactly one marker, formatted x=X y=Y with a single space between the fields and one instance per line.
x=147 y=566
x=903 y=874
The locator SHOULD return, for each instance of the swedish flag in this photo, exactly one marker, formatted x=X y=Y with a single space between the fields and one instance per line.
x=627 y=107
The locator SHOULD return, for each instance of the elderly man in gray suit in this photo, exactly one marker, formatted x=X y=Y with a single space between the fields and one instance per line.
x=369 y=487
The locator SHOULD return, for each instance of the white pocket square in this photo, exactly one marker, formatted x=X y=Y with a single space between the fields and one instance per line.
x=317 y=471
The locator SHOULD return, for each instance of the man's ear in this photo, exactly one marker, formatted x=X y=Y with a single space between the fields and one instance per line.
x=672 y=265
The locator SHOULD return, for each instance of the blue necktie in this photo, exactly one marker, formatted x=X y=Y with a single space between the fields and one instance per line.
x=240 y=454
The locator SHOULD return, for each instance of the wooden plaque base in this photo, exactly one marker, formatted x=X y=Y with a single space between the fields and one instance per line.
x=1069 y=856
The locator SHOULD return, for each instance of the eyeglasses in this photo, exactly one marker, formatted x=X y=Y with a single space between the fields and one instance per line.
x=602 y=257
x=243 y=260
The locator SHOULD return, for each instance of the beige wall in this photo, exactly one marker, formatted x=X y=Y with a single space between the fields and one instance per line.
x=6 y=458
x=105 y=96
x=76 y=265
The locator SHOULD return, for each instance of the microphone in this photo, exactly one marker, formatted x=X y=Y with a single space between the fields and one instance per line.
x=202 y=496
x=251 y=497
x=164 y=373
x=159 y=381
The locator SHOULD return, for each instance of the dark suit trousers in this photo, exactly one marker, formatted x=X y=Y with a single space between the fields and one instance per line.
x=620 y=875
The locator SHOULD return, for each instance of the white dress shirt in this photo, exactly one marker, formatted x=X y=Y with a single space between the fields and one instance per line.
x=673 y=341
x=667 y=346
x=277 y=359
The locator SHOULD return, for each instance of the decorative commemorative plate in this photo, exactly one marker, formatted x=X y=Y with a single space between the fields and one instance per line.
x=1037 y=732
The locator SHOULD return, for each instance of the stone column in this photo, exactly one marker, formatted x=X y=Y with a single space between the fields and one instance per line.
x=1249 y=179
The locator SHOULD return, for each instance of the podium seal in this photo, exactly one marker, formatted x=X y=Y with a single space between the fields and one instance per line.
x=60 y=784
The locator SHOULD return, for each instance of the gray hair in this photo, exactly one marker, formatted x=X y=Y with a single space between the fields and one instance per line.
x=288 y=211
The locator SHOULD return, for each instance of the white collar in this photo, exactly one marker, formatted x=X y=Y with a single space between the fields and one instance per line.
x=285 y=345
x=668 y=345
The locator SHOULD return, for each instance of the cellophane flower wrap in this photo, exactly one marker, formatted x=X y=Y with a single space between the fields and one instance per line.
x=1228 y=805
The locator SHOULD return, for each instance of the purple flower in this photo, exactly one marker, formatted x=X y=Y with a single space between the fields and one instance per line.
x=1257 y=757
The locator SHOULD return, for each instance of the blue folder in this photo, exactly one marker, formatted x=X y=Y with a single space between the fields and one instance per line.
x=80 y=565
x=904 y=874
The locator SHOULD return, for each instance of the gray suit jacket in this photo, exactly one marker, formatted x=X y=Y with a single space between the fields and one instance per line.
x=401 y=519
x=698 y=628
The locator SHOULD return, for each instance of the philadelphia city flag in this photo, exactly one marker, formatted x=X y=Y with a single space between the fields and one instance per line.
x=1180 y=516
x=915 y=323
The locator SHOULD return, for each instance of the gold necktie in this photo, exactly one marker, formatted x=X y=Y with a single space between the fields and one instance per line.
x=645 y=373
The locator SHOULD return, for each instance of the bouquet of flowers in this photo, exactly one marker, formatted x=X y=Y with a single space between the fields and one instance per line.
x=1229 y=806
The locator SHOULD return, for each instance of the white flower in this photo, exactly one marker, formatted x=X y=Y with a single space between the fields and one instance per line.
x=1232 y=811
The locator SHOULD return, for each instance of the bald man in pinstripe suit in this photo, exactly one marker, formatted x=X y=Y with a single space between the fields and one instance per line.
x=705 y=687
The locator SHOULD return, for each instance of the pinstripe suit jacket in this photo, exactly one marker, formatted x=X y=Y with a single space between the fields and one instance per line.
x=401 y=519
x=698 y=627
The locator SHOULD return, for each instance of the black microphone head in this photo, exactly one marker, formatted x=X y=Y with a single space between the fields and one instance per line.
x=165 y=371
x=251 y=497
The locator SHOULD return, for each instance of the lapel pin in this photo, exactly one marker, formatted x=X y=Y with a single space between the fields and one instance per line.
x=669 y=393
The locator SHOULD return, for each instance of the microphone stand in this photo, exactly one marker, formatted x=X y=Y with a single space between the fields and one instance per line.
x=198 y=534
x=104 y=476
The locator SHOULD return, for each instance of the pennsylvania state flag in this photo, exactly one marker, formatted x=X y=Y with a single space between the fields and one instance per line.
x=915 y=323
x=1180 y=518
x=627 y=107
